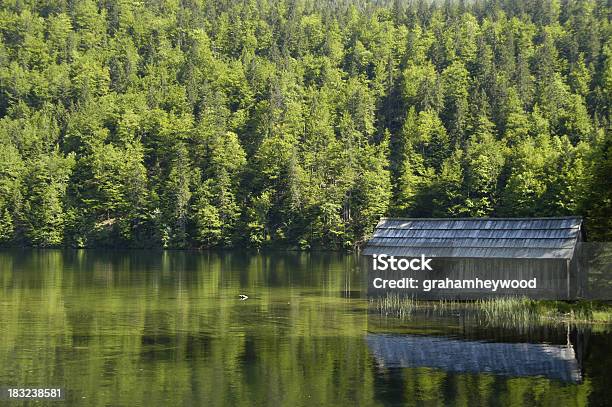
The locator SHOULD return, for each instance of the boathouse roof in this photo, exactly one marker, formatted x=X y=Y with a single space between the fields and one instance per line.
x=529 y=238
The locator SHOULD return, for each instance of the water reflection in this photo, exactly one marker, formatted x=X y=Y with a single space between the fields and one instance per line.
x=168 y=328
x=452 y=355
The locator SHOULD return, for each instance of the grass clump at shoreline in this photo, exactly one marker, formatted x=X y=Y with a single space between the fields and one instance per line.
x=504 y=310
x=396 y=305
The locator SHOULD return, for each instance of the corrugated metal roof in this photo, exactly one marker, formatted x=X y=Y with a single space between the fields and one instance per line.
x=476 y=237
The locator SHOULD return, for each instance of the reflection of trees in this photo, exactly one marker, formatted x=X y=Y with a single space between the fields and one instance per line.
x=120 y=329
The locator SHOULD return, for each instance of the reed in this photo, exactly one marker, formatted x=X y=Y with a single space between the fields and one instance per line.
x=512 y=311
x=393 y=304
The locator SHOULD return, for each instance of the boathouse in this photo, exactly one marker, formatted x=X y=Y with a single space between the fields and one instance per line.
x=481 y=249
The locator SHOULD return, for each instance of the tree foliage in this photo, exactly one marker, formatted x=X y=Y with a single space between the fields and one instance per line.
x=297 y=123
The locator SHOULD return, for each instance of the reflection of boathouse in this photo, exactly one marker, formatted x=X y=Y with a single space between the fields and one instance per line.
x=453 y=355
x=484 y=248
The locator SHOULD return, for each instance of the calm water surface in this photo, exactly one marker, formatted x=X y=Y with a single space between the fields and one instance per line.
x=140 y=328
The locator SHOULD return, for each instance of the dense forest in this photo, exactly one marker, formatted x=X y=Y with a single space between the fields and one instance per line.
x=297 y=123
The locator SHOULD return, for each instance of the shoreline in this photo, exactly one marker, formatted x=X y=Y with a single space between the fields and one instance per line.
x=513 y=310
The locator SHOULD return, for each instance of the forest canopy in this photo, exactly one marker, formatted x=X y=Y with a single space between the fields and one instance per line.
x=218 y=123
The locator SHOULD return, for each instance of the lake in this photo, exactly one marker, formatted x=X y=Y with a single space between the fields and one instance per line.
x=145 y=328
